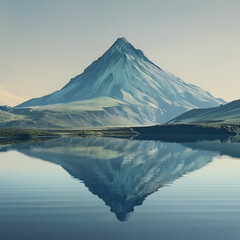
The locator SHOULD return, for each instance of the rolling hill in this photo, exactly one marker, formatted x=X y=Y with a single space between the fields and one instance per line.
x=224 y=114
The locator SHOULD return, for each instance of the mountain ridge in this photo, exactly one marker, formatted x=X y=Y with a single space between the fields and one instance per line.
x=224 y=114
x=126 y=74
x=137 y=92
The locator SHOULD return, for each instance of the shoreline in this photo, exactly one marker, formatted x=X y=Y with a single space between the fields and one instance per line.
x=165 y=132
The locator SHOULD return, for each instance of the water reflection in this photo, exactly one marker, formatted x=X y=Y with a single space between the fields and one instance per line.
x=124 y=172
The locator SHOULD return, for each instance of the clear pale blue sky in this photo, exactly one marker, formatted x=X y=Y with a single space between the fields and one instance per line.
x=45 y=43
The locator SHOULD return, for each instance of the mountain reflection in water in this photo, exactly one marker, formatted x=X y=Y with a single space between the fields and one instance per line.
x=123 y=172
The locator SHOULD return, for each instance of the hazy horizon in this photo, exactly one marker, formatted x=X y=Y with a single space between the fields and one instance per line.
x=44 y=44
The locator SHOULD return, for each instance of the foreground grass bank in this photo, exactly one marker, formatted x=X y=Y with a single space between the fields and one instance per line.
x=24 y=134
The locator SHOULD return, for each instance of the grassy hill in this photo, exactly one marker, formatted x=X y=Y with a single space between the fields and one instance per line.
x=225 y=114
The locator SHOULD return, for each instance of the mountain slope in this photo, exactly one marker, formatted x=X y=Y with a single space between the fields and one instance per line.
x=96 y=112
x=125 y=74
x=226 y=114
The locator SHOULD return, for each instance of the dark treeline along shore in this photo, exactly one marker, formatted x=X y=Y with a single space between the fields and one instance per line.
x=166 y=132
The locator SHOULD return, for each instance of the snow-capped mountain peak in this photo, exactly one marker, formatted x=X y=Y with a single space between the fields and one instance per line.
x=121 y=45
x=146 y=93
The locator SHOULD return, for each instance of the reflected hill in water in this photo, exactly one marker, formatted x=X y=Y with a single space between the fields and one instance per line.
x=229 y=146
x=121 y=172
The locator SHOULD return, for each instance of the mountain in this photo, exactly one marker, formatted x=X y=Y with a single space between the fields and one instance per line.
x=225 y=114
x=121 y=172
x=7 y=98
x=122 y=87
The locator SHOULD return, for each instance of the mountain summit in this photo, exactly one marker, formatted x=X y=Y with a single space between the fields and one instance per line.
x=121 y=45
x=128 y=89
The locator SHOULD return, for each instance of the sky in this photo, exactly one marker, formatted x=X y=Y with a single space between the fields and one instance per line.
x=46 y=43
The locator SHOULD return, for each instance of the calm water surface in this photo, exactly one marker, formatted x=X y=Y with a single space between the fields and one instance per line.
x=109 y=188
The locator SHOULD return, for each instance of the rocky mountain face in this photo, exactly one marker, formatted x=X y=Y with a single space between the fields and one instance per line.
x=124 y=86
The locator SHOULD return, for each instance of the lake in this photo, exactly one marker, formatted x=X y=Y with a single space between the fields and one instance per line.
x=110 y=188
